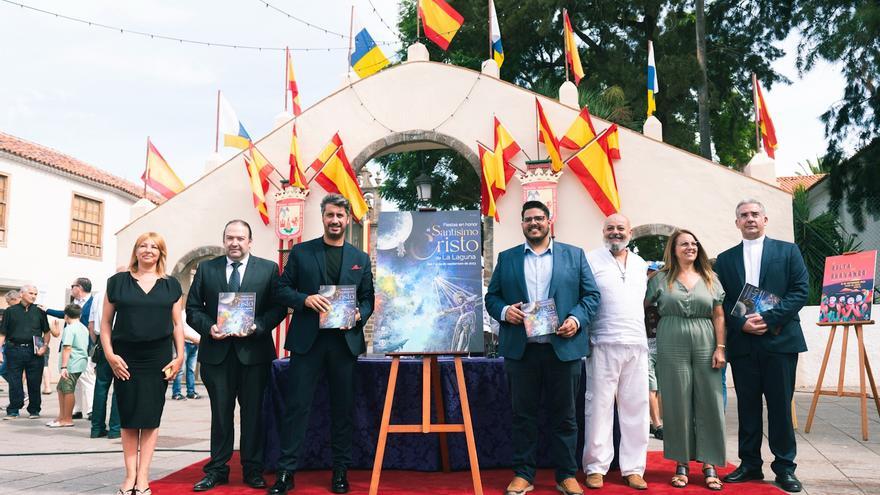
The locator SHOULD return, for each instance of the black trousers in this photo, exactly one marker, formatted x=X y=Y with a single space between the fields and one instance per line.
x=541 y=374
x=771 y=377
x=21 y=358
x=226 y=382
x=329 y=355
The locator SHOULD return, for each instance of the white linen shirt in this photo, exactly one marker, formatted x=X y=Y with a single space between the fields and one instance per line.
x=621 y=315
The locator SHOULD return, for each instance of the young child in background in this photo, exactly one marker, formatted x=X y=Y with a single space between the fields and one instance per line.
x=73 y=361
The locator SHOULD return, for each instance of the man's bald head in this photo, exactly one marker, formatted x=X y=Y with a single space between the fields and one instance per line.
x=616 y=232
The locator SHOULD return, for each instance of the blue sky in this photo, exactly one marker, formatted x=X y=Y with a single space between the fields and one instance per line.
x=97 y=94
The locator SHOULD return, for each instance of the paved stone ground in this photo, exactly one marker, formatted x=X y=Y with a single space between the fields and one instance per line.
x=832 y=458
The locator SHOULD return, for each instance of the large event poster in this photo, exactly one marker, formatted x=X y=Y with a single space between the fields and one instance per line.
x=847 y=288
x=428 y=282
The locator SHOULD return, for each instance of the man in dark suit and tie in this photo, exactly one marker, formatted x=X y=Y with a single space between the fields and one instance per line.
x=538 y=270
x=763 y=348
x=327 y=260
x=235 y=366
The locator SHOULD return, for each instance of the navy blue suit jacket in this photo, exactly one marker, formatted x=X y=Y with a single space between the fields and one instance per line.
x=784 y=274
x=302 y=277
x=572 y=288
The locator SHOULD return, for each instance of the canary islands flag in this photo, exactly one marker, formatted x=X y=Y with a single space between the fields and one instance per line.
x=495 y=35
x=231 y=128
x=366 y=59
x=653 y=87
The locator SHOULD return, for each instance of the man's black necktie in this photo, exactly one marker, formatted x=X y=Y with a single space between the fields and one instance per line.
x=235 y=278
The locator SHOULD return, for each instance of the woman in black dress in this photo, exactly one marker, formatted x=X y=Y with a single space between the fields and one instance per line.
x=146 y=305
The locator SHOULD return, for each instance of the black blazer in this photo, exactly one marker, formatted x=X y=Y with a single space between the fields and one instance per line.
x=784 y=274
x=301 y=278
x=261 y=277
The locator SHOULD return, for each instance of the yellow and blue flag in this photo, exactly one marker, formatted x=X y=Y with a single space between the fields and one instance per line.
x=495 y=35
x=366 y=59
x=653 y=86
x=232 y=130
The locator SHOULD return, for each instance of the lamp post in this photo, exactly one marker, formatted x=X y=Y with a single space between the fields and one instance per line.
x=423 y=188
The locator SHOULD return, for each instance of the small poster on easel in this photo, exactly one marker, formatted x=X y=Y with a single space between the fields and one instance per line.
x=847 y=288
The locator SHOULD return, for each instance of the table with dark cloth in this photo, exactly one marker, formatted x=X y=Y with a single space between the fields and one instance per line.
x=490 y=411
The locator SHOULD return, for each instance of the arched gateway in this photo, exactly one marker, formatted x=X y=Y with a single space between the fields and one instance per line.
x=427 y=105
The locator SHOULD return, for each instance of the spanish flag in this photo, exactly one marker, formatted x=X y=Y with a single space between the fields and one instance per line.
x=336 y=176
x=440 y=21
x=296 y=177
x=258 y=186
x=509 y=147
x=547 y=137
x=572 y=58
x=292 y=87
x=580 y=132
x=367 y=58
x=489 y=162
x=593 y=168
x=158 y=174
x=653 y=85
x=768 y=132
x=612 y=142
x=262 y=165
x=234 y=134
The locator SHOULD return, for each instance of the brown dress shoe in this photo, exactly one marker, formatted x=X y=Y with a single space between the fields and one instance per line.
x=594 y=481
x=519 y=486
x=635 y=481
x=569 y=486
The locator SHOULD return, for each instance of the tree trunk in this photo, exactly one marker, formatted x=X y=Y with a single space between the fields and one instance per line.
x=703 y=90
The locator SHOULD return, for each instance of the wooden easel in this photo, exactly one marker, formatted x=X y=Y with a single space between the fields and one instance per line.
x=430 y=379
x=864 y=366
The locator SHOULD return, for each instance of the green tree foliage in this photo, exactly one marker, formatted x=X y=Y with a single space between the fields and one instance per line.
x=818 y=238
x=847 y=32
x=454 y=182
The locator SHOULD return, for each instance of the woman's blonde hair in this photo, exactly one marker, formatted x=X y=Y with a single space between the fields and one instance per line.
x=163 y=252
x=671 y=266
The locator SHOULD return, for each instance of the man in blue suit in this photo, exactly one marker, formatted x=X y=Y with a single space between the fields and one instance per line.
x=327 y=260
x=763 y=348
x=537 y=270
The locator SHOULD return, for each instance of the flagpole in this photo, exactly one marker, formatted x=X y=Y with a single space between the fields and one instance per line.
x=147 y=167
x=323 y=165
x=757 y=115
x=564 y=44
x=217 y=126
x=418 y=19
x=350 y=39
x=537 y=132
x=286 y=72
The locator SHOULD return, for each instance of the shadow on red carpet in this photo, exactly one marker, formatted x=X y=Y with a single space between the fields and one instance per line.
x=494 y=481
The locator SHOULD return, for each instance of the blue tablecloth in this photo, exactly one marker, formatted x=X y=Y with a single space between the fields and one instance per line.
x=490 y=410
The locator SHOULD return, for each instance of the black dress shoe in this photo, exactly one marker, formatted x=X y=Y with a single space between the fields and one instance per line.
x=339 y=483
x=789 y=482
x=255 y=480
x=283 y=483
x=98 y=434
x=209 y=481
x=78 y=415
x=741 y=475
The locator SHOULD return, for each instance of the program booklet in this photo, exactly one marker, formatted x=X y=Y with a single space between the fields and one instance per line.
x=38 y=342
x=343 y=306
x=235 y=311
x=541 y=317
x=753 y=300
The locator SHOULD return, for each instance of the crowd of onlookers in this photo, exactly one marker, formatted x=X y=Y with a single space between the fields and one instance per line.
x=84 y=378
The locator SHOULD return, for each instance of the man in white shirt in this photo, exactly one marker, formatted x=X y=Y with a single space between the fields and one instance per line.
x=618 y=367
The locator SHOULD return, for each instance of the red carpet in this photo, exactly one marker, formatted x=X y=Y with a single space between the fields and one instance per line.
x=494 y=481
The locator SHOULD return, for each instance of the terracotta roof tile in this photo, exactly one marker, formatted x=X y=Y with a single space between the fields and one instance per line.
x=789 y=183
x=54 y=159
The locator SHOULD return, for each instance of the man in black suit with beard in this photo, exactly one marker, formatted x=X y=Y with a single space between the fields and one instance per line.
x=327 y=260
x=235 y=366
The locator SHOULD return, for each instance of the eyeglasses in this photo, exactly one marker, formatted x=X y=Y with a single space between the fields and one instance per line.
x=537 y=219
x=689 y=244
x=74 y=285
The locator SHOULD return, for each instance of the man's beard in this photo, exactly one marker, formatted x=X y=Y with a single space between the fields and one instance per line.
x=331 y=235
x=616 y=245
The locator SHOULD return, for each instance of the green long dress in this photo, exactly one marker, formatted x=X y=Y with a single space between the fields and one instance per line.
x=693 y=414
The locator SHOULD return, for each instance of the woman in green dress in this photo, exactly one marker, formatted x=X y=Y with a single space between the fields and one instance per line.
x=690 y=355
